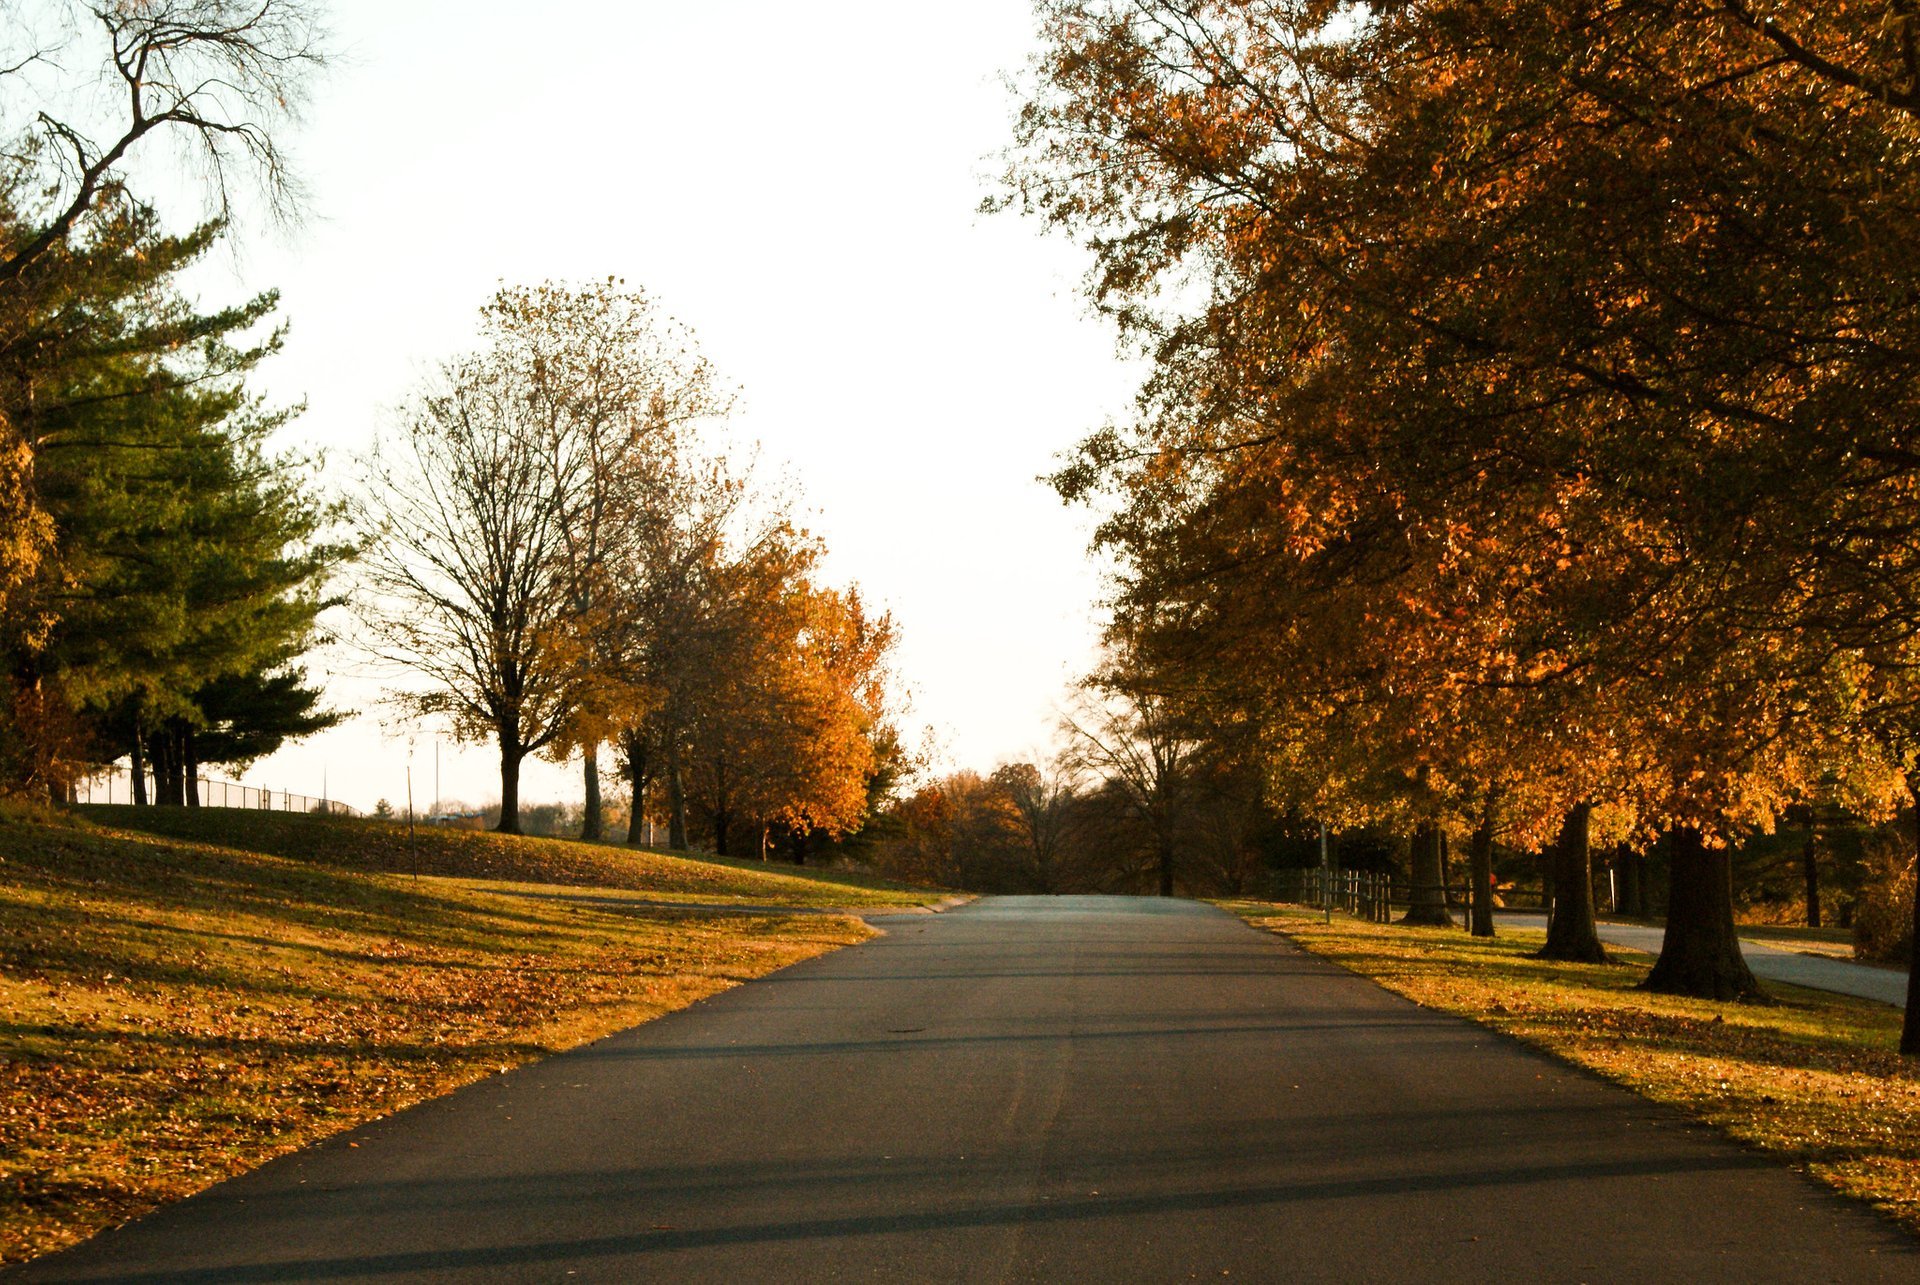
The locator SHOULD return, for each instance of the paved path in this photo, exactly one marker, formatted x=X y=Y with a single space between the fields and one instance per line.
x=1768 y=963
x=1026 y=1089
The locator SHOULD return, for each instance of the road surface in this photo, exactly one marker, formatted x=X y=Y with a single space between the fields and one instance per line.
x=1026 y=1089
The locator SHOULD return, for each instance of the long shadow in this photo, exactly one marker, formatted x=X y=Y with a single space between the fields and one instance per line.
x=1061 y=1211
x=916 y=1043
x=1313 y=1144
x=243 y=1046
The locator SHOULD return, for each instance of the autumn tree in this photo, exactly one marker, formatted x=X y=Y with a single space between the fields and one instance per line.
x=1480 y=286
x=612 y=388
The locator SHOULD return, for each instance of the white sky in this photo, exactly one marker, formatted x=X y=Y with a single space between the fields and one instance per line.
x=798 y=183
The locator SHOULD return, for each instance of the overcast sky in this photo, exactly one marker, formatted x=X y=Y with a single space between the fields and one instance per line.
x=799 y=184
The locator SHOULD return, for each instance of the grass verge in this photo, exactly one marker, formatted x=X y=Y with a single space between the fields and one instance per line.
x=1813 y=1078
x=174 y=1012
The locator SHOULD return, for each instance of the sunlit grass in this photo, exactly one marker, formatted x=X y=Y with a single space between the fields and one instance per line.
x=388 y=846
x=1812 y=1077
x=174 y=1012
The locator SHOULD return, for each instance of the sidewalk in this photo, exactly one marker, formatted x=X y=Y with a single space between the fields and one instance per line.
x=1768 y=963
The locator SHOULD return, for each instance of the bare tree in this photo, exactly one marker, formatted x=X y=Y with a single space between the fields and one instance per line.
x=1136 y=741
x=216 y=77
x=1043 y=801
x=465 y=573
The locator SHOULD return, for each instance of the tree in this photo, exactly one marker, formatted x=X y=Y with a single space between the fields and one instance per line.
x=612 y=387
x=215 y=77
x=183 y=552
x=465 y=583
x=78 y=248
x=1136 y=740
x=1571 y=933
x=1478 y=288
x=1043 y=807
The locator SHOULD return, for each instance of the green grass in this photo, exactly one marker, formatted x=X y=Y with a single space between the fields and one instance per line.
x=176 y=1010
x=354 y=843
x=1812 y=1077
x=1833 y=943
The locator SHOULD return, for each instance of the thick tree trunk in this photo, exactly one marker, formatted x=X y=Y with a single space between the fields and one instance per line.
x=676 y=798
x=510 y=759
x=800 y=844
x=722 y=822
x=1700 y=954
x=592 y=822
x=1427 y=892
x=1570 y=929
x=137 y=774
x=1910 y=1025
x=1480 y=871
x=1810 y=866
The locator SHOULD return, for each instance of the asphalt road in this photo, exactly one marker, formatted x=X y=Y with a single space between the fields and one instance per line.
x=1769 y=964
x=1074 y=1089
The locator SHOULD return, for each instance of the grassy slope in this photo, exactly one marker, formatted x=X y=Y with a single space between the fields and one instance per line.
x=384 y=846
x=1813 y=1077
x=173 y=1012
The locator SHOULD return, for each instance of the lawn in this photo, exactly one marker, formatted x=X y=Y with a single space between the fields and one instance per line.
x=1813 y=1078
x=176 y=1011
x=354 y=843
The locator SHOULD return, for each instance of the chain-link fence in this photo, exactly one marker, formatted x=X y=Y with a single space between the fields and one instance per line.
x=115 y=785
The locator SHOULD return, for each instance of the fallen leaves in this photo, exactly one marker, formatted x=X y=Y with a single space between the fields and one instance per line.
x=174 y=1013
x=1812 y=1077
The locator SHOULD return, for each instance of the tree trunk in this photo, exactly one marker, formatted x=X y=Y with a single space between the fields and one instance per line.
x=510 y=757
x=800 y=842
x=1427 y=878
x=1910 y=1025
x=1571 y=934
x=722 y=814
x=638 y=778
x=162 y=767
x=676 y=798
x=1166 y=866
x=137 y=774
x=1700 y=953
x=189 y=767
x=592 y=824
x=1480 y=871
x=1810 y=864
x=1633 y=887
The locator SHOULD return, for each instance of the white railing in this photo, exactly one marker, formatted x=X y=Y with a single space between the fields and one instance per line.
x=114 y=784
